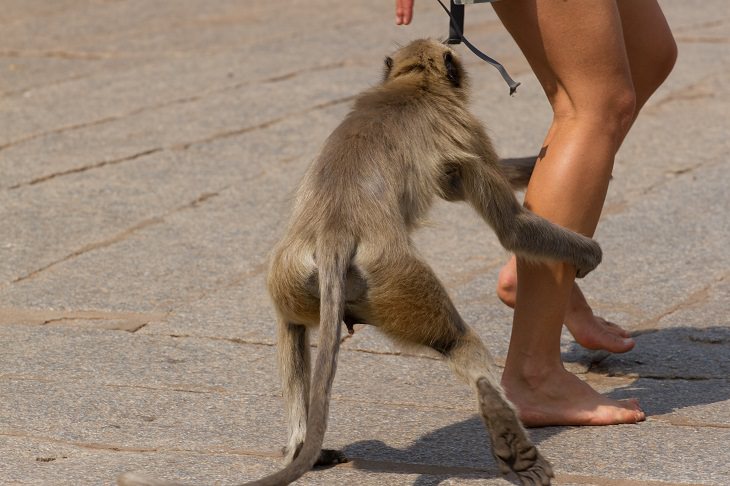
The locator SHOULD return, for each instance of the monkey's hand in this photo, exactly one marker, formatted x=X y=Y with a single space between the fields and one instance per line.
x=589 y=258
x=350 y=327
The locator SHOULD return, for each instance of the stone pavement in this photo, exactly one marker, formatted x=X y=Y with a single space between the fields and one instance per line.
x=148 y=151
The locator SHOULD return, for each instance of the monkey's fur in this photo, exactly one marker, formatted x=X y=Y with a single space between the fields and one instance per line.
x=347 y=255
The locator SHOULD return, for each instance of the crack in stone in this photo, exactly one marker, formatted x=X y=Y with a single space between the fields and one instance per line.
x=112 y=118
x=155 y=220
x=92 y=246
x=183 y=146
x=263 y=125
x=293 y=74
x=441 y=470
x=29 y=88
x=313 y=345
x=183 y=388
x=121 y=448
x=698 y=89
x=631 y=197
x=414 y=468
x=78 y=170
x=354 y=463
x=680 y=421
x=696 y=298
x=83 y=445
x=392 y=353
x=164 y=104
x=201 y=389
x=230 y=340
x=198 y=389
x=57 y=54
x=649 y=326
x=127 y=321
x=66 y=128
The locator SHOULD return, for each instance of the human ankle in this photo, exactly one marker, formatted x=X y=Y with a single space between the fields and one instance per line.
x=531 y=375
x=578 y=302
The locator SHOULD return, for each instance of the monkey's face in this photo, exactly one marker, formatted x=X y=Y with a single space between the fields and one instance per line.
x=429 y=59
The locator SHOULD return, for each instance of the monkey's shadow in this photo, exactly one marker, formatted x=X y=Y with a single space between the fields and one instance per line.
x=676 y=369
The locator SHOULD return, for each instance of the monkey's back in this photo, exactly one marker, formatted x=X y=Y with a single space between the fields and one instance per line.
x=381 y=167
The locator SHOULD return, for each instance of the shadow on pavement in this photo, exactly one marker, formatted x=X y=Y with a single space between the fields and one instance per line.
x=674 y=368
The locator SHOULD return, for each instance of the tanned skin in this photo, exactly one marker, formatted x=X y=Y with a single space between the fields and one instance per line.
x=347 y=255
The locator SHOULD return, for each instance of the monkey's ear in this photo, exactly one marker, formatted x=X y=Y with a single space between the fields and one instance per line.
x=388 y=67
x=453 y=70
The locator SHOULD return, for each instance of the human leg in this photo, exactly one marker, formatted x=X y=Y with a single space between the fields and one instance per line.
x=577 y=51
x=650 y=46
x=651 y=52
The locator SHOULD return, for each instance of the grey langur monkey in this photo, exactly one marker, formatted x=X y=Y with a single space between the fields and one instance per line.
x=347 y=255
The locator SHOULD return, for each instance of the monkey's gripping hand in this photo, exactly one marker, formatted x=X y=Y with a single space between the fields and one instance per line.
x=588 y=260
x=535 y=238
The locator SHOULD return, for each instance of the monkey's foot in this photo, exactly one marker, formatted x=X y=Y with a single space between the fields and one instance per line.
x=330 y=457
x=536 y=471
x=556 y=397
x=512 y=449
x=540 y=474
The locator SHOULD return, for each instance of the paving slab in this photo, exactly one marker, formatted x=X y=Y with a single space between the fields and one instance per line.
x=101 y=399
x=148 y=156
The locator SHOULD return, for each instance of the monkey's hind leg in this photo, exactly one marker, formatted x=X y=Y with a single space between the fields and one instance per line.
x=511 y=446
x=294 y=365
x=407 y=302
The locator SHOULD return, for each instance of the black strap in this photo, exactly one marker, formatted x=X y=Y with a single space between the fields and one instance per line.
x=456 y=28
x=456 y=25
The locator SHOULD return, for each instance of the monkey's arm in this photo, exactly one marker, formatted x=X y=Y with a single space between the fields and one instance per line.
x=519 y=230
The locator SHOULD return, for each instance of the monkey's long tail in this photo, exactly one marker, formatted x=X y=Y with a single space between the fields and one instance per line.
x=333 y=259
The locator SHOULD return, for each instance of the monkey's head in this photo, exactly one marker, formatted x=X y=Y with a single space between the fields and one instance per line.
x=429 y=60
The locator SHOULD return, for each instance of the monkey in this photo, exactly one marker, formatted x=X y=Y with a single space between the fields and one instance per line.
x=347 y=255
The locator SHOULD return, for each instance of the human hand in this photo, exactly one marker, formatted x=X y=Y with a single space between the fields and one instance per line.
x=403 y=12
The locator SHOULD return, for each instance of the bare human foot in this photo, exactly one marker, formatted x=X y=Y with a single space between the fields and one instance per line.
x=557 y=397
x=589 y=330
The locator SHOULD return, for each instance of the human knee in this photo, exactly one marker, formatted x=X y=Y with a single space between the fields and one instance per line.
x=608 y=108
x=669 y=56
x=663 y=62
x=623 y=109
x=655 y=70
x=615 y=110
